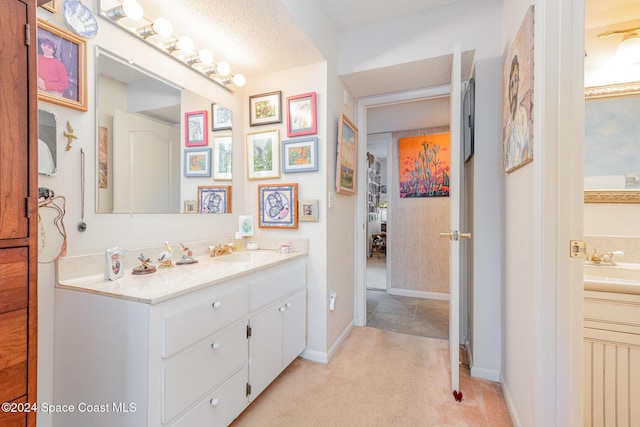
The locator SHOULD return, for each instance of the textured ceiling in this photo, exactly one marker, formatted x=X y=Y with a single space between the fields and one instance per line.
x=345 y=14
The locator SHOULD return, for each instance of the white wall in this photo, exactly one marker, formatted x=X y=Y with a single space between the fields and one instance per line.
x=310 y=186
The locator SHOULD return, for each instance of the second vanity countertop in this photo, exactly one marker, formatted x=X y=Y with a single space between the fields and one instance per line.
x=167 y=283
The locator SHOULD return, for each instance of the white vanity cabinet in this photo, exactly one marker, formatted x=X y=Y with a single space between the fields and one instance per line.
x=611 y=359
x=277 y=324
x=182 y=361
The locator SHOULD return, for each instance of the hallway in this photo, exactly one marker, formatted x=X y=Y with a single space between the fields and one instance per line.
x=407 y=315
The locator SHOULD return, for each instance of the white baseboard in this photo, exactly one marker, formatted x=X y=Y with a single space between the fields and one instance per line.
x=485 y=374
x=507 y=398
x=418 y=294
x=325 y=357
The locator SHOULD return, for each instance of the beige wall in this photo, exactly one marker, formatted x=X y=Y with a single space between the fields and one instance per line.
x=418 y=258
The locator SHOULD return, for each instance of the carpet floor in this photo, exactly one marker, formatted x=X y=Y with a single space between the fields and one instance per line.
x=377 y=378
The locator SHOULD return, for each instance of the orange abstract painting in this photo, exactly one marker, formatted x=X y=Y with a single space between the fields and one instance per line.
x=425 y=163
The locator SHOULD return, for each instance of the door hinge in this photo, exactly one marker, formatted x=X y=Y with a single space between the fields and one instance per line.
x=27 y=34
x=248 y=389
x=577 y=249
x=248 y=331
x=27 y=204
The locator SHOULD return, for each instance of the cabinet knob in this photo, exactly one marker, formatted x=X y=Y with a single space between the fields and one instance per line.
x=215 y=345
x=282 y=309
x=288 y=305
x=216 y=304
x=214 y=402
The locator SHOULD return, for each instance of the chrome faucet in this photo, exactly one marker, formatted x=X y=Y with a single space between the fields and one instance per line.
x=604 y=258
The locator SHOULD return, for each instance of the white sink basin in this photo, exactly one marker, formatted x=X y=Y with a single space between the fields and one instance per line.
x=622 y=272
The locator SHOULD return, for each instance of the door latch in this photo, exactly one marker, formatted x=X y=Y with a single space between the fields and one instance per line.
x=578 y=249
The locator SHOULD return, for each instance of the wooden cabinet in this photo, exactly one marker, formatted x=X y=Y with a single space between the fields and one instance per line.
x=18 y=209
x=184 y=361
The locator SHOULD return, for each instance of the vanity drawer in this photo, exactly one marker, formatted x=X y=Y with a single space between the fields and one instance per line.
x=276 y=283
x=222 y=406
x=190 y=376
x=181 y=329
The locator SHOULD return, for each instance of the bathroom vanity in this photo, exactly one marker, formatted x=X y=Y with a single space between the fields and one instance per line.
x=185 y=346
x=611 y=359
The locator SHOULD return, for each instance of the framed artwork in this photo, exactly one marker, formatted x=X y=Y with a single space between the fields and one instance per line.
x=517 y=104
x=47 y=143
x=197 y=162
x=425 y=163
x=195 y=129
x=62 y=68
x=346 y=172
x=468 y=120
x=223 y=158
x=301 y=115
x=214 y=199
x=190 y=206
x=265 y=108
x=278 y=206
x=50 y=6
x=300 y=155
x=263 y=154
x=103 y=157
x=221 y=117
x=308 y=210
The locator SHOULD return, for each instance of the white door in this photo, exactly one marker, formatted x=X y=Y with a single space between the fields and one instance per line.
x=144 y=165
x=454 y=234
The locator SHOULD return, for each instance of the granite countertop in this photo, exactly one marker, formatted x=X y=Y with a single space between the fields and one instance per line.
x=167 y=283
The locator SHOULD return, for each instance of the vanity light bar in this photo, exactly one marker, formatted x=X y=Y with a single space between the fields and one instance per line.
x=202 y=61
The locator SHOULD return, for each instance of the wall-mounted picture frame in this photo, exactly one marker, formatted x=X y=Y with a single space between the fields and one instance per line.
x=221 y=117
x=517 y=103
x=62 y=68
x=468 y=119
x=214 y=199
x=301 y=115
x=308 y=210
x=263 y=154
x=265 y=108
x=346 y=166
x=51 y=6
x=195 y=129
x=278 y=206
x=300 y=155
x=190 y=206
x=197 y=162
x=223 y=158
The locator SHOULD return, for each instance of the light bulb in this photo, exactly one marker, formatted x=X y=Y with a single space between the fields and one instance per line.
x=132 y=10
x=185 y=44
x=223 y=68
x=205 y=56
x=163 y=27
x=238 y=80
x=628 y=51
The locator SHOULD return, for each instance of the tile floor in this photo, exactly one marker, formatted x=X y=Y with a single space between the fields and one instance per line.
x=408 y=315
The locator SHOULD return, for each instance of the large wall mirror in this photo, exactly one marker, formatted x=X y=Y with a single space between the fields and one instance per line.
x=612 y=144
x=139 y=144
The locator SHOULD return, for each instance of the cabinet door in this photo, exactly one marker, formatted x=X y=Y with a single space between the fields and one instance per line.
x=294 y=327
x=265 y=351
x=14 y=121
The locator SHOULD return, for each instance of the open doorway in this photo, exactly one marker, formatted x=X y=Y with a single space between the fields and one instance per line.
x=407 y=278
